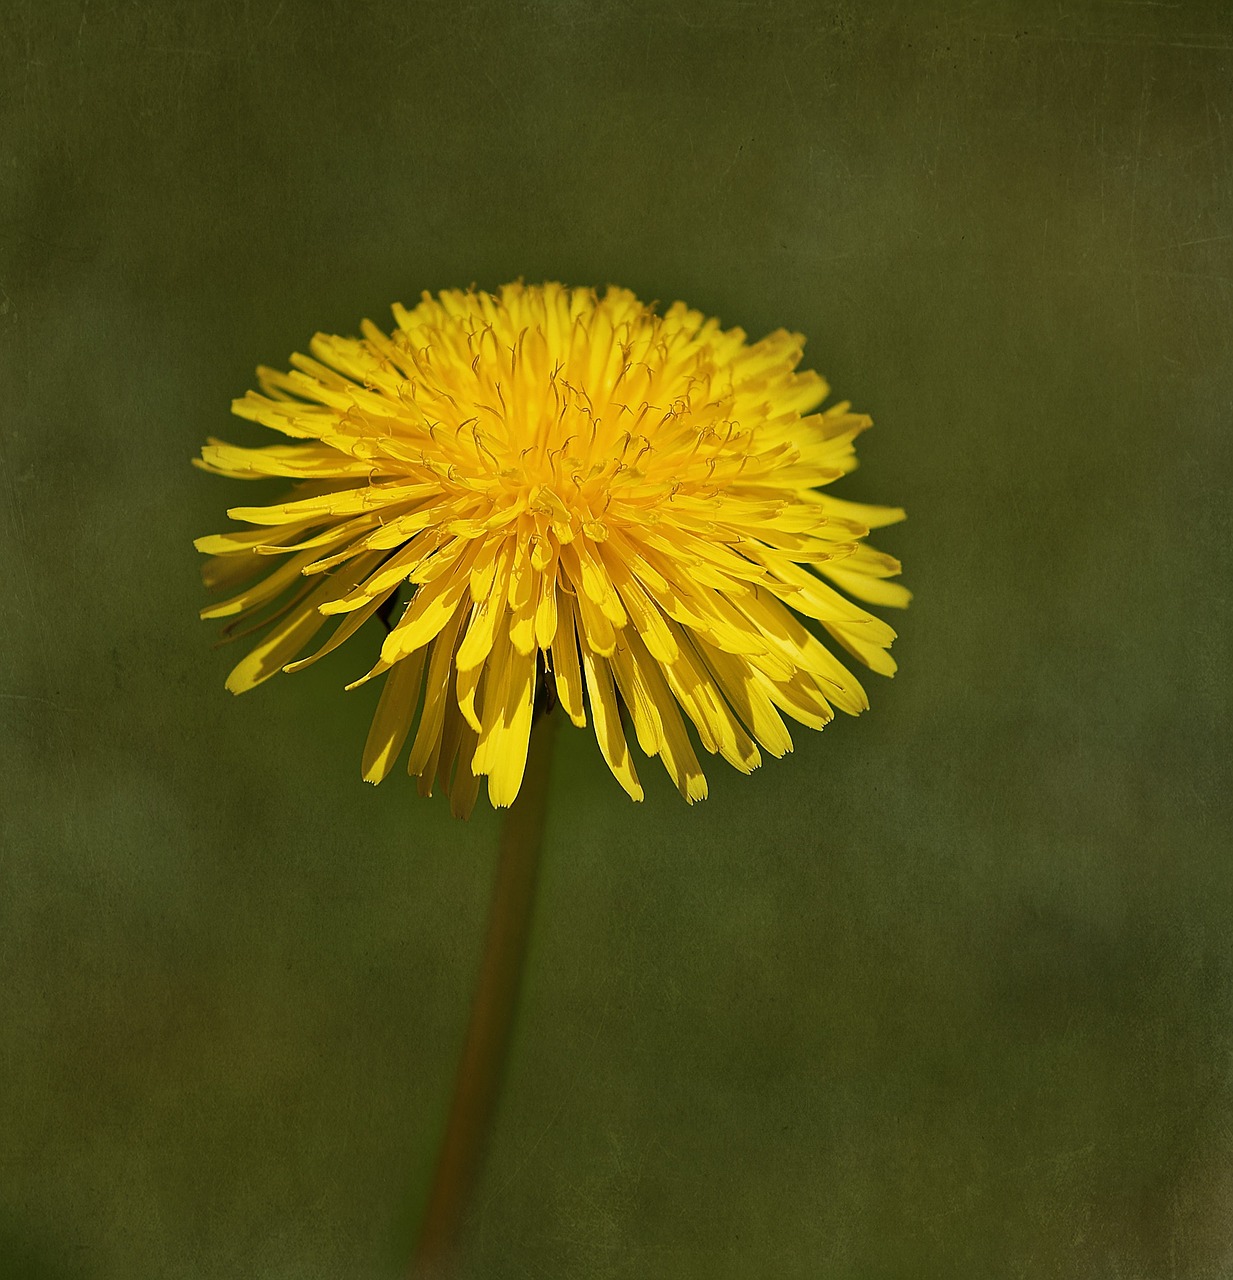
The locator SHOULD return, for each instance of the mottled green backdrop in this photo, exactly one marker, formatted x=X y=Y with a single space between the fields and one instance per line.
x=947 y=993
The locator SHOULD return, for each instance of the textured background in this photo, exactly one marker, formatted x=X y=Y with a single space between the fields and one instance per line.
x=946 y=993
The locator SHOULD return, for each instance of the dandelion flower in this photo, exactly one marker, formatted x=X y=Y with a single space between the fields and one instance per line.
x=565 y=494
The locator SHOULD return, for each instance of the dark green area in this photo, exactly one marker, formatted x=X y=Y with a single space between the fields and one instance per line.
x=948 y=992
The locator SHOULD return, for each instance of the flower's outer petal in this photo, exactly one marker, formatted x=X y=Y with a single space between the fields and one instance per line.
x=436 y=694
x=863 y=575
x=595 y=627
x=647 y=695
x=507 y=757
x=306 y=461
x=329 y=506
x=489 y=612
x=509 y=696
x=872 y=517
x=495 y=689
x=445 y=753
x=893 y=595
x=464 y=787
x=392 y=572
x=566 y=671
x=272 y=545
x=281 y=643
x=855 y=640
x=785 y=630
x=601 y=608
x=651 y=624
x=809 y=595
x=522 y=595
x=287 y=638
x=226 y=544
x=606 y=718
x=392 y=721
x=546 y=613
x=468 y=685
x=431 y=608
x=341 y=634
x=747 y=697
x=259 y=593
x=800 y=697
x=643 y=707
x=704 y=703
x=225 y=572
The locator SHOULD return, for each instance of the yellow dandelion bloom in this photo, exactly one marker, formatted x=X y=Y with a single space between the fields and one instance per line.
x=571 y=494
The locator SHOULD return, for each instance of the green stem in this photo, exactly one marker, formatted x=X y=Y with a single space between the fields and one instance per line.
x=478 y=1082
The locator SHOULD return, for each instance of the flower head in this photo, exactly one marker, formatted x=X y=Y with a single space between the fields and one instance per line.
x=566 y=493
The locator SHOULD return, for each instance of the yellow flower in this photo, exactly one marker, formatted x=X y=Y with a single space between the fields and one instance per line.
x=578 y=495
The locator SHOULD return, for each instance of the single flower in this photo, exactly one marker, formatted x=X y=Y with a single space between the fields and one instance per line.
x=565 y=493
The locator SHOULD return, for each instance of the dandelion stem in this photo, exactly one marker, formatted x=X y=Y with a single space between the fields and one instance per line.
x=478 y=1081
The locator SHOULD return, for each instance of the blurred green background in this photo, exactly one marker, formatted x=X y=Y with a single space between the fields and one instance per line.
x=948 y=992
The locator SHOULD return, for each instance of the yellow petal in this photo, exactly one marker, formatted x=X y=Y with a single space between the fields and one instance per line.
x=269 y=587
x=282 y=643
x=862 y=512
x=489 y=611
x=342 y=633
x=695 y=689
x=869 y=589
x=647 y=694
x=431 y=608
x=747 y=697
x=436 y=691
x=546 y=615
x=445 y=752
x=507 y=757
x=222 y=544
x=595 y=627
x=652 y=626
x=607 y=721
x=341 y=502
x=640 y=701
x=464 y=786
x=565 y=669
x=392 y=720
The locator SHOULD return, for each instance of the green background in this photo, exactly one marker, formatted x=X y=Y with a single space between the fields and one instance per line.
x=949 y=991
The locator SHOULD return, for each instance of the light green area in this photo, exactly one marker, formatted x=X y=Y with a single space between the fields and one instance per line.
x=948 y=992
